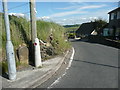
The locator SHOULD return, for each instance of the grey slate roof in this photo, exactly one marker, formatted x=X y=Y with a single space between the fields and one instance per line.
x=86 y=28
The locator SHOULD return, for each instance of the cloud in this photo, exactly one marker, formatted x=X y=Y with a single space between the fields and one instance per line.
x=83 y=17
x=65 y=0
x=64 y=19
x=69 y=21
x=70 y=7
x=17 y=14
x=83 y=7
x=44 y=17
x=92 y=18
x=91 y=0
x=92 y=6
x=74 y=20
x=67 y=13
x=77 y=11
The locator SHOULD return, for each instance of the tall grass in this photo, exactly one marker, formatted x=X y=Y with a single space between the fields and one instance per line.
x=45 y=29
x=21 y=33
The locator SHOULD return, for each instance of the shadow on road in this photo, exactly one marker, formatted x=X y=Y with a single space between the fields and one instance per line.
x=99 y=40
x=102 y=41
x=97 y=64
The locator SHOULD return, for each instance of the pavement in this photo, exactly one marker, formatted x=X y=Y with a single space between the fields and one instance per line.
x=27 y=78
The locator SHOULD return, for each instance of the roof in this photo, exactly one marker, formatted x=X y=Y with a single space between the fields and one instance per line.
x=86 y=28
x=117 y=9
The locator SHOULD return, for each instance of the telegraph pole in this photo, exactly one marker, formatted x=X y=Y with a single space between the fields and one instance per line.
x=35 y=40
x=9 y=46
x=33 y=20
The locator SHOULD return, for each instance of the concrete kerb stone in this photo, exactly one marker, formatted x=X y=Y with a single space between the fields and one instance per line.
x=48 y=74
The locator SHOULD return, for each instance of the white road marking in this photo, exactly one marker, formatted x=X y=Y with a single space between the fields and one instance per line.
x=71 y=59
x=70 y=62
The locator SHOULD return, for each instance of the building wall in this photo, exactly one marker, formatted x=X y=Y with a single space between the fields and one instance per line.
x=114 y=23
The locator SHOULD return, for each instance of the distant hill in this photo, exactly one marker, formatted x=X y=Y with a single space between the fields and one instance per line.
x=67 y=26
x=71 y=28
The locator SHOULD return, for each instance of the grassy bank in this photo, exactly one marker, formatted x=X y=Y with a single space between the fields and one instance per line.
x=21 y=34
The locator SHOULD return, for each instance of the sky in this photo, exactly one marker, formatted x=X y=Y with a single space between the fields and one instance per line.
x=64 y=13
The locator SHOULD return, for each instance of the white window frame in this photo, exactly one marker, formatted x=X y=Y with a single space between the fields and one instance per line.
x=112 y=16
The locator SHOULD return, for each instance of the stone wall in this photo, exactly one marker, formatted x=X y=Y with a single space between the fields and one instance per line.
x=23 y=54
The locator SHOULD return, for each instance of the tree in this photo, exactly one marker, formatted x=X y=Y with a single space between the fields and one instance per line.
x=99 y=23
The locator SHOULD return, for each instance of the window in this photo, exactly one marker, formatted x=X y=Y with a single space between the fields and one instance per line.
x=115 y=15
x=105 y=32
x=112 y=16
x=118 y=15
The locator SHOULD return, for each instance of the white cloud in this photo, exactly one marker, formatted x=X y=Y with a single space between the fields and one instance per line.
x=83 y=18
x=83 y=7
x=75 y=20
x=17 y=14
x=44 y=17
x=65 y=0
x=77 y=11
x=64 y=19
x=67 y=13
x=91 y=0
x=92 y=6
x=70 y=7
x=92 y=18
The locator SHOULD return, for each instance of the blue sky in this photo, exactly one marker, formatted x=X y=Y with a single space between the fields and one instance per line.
x=64 y=13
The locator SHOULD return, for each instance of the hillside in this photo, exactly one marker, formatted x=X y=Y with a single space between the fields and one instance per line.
x=21 y=35
x=70 y=30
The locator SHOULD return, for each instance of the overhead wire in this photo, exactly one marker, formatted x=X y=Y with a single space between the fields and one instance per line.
x=17 y=6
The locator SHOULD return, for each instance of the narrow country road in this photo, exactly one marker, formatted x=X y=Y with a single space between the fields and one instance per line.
x=93 y=66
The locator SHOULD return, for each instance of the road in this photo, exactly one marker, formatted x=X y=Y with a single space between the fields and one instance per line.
x=93 y=66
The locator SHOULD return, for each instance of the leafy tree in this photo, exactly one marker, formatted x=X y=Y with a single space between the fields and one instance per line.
x=99 y=23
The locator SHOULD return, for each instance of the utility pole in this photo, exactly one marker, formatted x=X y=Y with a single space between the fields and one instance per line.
x=9 y=46
x=35 y=40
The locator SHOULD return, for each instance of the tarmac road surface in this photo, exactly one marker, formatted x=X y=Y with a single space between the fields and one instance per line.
x=93 y=66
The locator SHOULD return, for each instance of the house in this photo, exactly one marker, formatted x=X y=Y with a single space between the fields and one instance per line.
x=114 y=23
x=86 y=29
x=104 y=31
